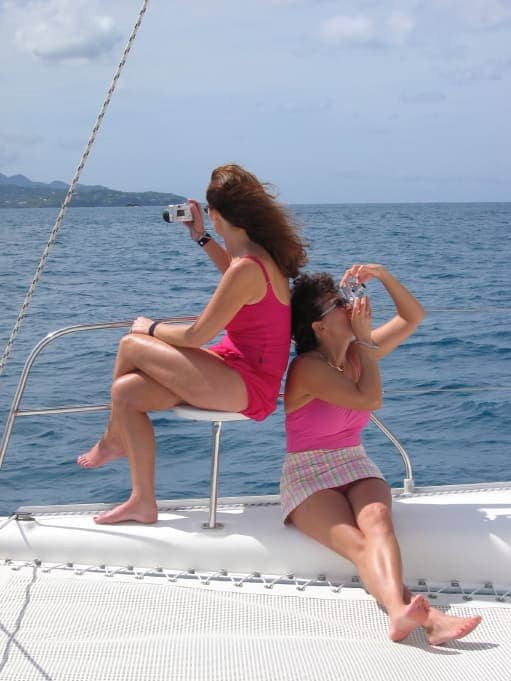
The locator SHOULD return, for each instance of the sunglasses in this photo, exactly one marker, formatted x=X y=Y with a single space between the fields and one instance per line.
x=339 y=302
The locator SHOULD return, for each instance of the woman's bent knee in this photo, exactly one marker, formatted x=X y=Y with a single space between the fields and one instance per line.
x=128 y=342
x=124 y=390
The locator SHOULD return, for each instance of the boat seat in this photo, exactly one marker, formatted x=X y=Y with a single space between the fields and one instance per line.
x=216 y=418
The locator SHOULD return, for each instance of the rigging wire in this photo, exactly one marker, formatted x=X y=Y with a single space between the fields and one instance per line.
x=67 y=200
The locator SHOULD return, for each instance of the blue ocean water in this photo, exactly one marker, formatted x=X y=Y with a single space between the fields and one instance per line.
x=114 y=264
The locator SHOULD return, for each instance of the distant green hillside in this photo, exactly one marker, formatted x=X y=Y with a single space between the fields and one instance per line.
x=20 y=192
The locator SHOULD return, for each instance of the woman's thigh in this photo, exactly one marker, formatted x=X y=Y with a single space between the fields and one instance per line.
x=327 y=517
x=194 y=375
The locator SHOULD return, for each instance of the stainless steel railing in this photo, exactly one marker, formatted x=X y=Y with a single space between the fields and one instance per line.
x=15 y=411
x=408 y=481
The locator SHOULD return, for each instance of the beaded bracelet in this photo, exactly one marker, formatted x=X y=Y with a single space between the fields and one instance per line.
x=366 y=344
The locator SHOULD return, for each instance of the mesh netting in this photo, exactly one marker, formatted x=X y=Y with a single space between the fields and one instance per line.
x=63 y=627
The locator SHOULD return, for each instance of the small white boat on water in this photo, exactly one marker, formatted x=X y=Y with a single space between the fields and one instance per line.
x=220 y=589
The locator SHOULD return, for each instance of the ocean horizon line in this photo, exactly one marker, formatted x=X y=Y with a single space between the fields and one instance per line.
x=290 y=203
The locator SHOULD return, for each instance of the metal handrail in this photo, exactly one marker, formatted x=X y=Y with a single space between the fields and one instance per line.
x=408 y=481
x=15 y=411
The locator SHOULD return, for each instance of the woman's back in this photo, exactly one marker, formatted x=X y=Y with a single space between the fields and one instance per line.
x=261 y=331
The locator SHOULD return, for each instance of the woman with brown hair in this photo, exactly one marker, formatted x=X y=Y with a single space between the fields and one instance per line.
x=159 y=366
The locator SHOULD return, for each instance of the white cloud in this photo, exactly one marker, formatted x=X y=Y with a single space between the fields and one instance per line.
x=62 y=30
x=362 y=30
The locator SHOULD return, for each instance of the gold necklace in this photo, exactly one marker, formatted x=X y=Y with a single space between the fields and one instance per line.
x=339 y=368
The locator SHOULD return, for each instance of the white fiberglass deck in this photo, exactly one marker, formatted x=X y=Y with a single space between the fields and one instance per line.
x=253 y=600
x=445 y=534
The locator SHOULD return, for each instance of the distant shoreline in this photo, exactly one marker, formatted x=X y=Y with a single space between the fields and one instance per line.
x=19 y=191
x=25 y=197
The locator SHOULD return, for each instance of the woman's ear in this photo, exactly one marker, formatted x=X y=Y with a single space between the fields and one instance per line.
x=317 y=327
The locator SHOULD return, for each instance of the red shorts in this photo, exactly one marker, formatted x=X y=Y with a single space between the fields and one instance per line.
x=262 y=389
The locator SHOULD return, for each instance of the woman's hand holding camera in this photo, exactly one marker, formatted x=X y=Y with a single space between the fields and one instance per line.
x=196 y=226
x=363 y=273
x=361 y=319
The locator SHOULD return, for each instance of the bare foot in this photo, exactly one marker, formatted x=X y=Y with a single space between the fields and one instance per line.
x=441 y=627
x=140 y=512
x=100 y=454
x=413 y=615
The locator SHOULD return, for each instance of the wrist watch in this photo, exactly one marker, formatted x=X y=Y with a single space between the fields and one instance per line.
x=204 y=239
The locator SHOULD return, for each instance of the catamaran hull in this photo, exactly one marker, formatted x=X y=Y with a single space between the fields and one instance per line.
x=446 y=534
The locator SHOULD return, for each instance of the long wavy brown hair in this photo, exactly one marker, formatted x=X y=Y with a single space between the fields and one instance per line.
x=245 y=202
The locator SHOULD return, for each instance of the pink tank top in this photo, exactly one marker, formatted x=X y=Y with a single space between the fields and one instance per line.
x=322 y=425
x=260 y=333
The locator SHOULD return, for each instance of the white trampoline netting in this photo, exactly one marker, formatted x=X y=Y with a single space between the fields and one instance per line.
x=59 y=626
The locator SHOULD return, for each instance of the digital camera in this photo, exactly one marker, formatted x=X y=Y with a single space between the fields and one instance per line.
x=353 y=289
x=178 y=212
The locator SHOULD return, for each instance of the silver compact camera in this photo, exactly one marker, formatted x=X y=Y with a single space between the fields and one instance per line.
x=353 y=289
x=178 y=212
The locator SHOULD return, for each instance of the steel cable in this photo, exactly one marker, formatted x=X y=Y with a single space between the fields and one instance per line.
x=67 y=200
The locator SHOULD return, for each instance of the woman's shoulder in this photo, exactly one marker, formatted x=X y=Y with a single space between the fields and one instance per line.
x=263 y=267
x=296 y=393
x=249 y=265
x=304 y=358
x=305 y=363
x=243 y=267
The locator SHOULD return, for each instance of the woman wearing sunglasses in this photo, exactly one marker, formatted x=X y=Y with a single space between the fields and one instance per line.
x=330 y=488
x=159 y=366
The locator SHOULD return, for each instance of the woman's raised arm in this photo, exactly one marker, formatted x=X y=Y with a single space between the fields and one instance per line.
x=409 y=311
x=240 y=285
x=216 y=253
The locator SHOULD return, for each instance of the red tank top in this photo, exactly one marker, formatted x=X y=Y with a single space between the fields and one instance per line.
x=260 y=333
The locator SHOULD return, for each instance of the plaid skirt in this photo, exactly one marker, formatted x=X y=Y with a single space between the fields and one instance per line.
x=305 y=473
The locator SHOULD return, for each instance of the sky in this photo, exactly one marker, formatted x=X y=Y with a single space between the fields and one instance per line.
x=332 y=102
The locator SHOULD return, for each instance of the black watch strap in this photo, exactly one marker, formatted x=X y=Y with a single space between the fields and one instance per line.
x=204 y=239
x=152 y=328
